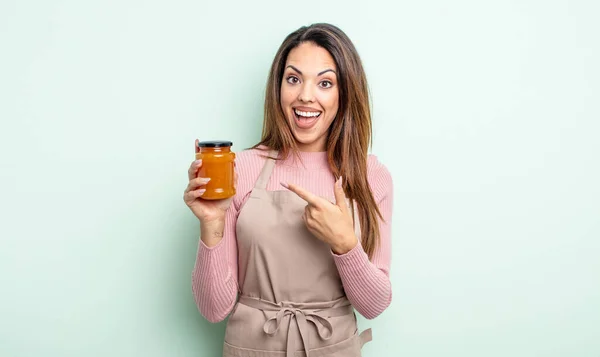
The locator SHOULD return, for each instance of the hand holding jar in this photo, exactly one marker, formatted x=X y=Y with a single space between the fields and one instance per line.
x=212 y=180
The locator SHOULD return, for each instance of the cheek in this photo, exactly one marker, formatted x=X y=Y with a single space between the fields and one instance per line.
x=332 y=106
x=332 y=103
x=287 y=97
x=336 y=100
x=328 y=99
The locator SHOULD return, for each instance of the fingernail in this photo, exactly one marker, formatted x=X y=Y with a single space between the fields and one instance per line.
x=285 y=185
x=197 y=162
x=201 y=192
x=206 y=179
x=338 y=183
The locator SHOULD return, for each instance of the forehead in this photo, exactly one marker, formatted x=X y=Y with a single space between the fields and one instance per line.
x=309 y=58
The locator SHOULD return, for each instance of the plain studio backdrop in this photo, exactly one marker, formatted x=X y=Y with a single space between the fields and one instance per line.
x=485 y=112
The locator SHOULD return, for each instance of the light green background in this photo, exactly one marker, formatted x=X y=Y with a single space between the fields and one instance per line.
x=486 y=113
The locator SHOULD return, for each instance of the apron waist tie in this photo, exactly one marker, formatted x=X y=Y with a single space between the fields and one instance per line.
x=302 y=313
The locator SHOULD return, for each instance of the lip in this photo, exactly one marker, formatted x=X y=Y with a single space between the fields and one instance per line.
x=307 y=109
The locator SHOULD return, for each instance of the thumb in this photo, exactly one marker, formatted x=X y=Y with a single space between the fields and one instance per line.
x=340 y=196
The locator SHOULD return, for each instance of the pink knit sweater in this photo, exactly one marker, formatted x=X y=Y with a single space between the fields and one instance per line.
x=366 y=283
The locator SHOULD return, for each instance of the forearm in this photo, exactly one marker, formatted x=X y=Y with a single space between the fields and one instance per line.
x=214 y=281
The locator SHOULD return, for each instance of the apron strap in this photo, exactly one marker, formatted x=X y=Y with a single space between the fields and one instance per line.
x=365 y=336
x=265 y=174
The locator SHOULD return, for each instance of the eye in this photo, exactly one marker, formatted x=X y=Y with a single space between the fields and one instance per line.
x=326 y=84
x=292 y=79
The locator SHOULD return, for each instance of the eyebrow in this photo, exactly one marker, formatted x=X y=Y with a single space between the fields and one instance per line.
x=320 y=73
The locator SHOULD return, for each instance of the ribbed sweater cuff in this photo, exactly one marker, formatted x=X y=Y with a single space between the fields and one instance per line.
x=355 y=260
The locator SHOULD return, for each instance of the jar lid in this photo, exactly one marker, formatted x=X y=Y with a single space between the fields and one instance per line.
x=214 y=144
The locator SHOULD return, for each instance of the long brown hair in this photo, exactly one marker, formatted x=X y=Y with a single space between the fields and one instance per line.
x=349 y=135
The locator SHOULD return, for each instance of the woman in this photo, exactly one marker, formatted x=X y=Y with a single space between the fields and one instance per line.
x=306 y=238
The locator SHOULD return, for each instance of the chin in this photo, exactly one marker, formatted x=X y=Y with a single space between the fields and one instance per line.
x=308 y=143
x=304 y=141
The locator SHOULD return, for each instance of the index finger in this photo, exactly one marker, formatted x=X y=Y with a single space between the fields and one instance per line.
x=304 y=194
x=193 y=170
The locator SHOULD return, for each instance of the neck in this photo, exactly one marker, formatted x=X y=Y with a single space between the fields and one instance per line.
x=318 y=145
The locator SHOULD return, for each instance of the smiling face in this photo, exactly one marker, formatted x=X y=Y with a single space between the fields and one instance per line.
x=310 y=95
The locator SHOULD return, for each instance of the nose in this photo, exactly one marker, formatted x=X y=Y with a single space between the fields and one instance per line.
x=307 y=94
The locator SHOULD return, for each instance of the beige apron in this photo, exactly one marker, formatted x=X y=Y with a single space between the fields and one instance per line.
x=291 y=295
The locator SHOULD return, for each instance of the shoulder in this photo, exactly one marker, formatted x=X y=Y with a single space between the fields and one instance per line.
x=250 y=157
x=379 y=178
x=376 y=170
x=249 y=164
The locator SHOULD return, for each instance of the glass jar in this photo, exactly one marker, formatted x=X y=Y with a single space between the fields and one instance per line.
x=217 y=164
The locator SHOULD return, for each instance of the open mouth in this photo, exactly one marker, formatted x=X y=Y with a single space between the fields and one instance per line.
x=306 y=119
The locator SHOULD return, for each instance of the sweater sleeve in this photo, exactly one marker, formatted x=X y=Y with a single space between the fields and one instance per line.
x=367 y=283
x=214 y=278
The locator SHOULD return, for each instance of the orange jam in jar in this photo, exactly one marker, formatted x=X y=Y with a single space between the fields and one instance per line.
x=217 y=164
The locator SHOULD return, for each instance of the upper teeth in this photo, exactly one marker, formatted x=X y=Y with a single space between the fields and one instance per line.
x=307 y=114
